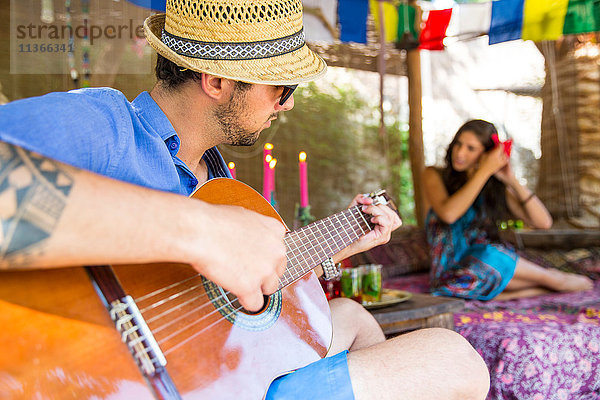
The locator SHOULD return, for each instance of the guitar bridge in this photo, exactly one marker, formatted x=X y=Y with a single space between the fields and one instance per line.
x=136 y=334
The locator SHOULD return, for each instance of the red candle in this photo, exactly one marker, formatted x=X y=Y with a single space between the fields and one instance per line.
x=272 y=165
x=303 y=180
x=231 y=167
x=267 y=149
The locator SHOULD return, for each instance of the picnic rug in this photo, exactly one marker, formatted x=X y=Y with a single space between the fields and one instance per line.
x=539 y=348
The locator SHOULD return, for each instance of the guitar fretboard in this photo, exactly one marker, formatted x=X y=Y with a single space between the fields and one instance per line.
x=312 y=244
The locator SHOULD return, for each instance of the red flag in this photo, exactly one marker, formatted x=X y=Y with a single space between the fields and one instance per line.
x=434 y=32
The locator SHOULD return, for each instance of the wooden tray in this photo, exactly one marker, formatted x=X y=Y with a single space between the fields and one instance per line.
x=388 y=298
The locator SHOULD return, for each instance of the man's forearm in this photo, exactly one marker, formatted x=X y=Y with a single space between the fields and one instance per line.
x=57 y=215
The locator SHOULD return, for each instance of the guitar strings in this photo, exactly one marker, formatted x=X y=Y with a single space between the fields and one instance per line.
x=223 y=318
x=169 y=298
x=171 y=322
x=176 y=346
x=170 y=310
x=173 y=334
x=151 y=294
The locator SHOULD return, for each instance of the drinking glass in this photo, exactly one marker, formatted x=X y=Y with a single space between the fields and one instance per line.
x=351 y=284
x=371 y=283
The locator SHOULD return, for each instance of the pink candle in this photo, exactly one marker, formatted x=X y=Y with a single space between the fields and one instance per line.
x=272 y=165
x=231 y=167
x=267 y=149
x=303 y=180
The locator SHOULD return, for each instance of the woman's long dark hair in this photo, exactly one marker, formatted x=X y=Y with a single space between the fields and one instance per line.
x=494 y=191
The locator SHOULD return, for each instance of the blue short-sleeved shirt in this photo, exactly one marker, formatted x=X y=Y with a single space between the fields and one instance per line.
x=99 y=130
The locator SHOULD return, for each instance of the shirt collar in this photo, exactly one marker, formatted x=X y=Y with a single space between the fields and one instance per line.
x=151 y=112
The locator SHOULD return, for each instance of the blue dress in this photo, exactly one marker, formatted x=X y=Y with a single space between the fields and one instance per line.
x=464 y=260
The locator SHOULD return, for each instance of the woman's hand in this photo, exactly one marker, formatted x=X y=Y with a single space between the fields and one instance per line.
x=505 y=174
x=493 y=160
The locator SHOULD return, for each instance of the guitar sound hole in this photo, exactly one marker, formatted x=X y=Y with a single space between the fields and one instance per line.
x=236 y=304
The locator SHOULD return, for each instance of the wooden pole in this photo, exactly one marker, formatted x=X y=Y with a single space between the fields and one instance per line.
x=415 y=131
x=381 y=67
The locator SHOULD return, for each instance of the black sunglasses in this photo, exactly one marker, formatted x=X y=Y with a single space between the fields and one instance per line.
x=287 y=92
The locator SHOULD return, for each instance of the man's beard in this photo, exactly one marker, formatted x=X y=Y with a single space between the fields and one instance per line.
x=228 y=117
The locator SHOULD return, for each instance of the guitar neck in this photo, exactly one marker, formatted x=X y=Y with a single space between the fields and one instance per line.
x=312 y=244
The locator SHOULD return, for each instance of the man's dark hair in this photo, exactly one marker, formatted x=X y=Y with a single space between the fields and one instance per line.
x=171 y=75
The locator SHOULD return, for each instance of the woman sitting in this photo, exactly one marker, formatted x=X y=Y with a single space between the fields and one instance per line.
x=469 y=196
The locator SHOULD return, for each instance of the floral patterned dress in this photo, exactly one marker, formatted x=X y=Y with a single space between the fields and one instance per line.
x=464 y=260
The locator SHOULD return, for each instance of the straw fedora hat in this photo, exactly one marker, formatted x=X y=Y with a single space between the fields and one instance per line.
x=244 y=40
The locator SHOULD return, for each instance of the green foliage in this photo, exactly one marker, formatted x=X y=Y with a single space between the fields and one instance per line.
x=398 y=177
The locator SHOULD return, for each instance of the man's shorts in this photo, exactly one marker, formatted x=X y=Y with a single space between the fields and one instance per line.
x=327 y=378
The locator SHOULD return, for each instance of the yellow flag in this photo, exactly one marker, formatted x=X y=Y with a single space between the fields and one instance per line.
x=544 y=19
x=390 y=19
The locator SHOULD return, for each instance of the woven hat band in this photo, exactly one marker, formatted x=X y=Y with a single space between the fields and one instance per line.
x=233 y=51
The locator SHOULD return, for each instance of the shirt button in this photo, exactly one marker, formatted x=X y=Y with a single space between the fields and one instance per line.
x=194 y=182
x=173 y=146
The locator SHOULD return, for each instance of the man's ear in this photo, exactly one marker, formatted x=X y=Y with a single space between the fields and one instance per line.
x=216 y=87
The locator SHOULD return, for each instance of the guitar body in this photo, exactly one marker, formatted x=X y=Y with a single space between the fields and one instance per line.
x=58 y=341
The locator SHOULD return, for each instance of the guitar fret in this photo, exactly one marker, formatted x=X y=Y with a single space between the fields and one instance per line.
x=350 y=224
x=362 y=216
x=329 y=226
x=326 y=233
x=344 y=229
x=318 y=246
x=356 y=220
x=349 y=240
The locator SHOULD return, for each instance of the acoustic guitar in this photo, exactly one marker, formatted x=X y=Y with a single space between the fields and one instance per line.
x=162 y=330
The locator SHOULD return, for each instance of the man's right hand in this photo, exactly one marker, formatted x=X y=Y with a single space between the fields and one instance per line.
x=241 y=251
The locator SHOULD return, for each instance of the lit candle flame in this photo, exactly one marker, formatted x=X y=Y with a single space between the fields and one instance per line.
x=268 y=146
x=231 y=165
x=268 y=158
x=302 y=156
x=272 y=163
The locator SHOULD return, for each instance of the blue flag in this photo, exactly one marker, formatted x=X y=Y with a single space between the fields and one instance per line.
x=352 y=17
x=507 y=20
x=158 y=5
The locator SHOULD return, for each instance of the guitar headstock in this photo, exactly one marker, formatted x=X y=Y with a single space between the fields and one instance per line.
x=381 y=197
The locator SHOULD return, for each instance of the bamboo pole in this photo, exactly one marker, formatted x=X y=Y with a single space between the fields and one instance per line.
x=415 y=123
x=415 y=132
x=381 y=67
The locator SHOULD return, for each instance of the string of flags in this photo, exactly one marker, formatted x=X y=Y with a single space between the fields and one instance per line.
x=501 y=20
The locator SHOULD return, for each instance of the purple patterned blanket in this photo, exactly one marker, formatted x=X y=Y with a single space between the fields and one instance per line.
x=539 y=348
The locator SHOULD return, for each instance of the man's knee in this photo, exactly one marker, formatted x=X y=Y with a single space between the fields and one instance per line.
x=352 y=312
x=469 y=371
x=346 y=306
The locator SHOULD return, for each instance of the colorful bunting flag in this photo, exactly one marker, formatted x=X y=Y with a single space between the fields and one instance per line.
x=583 y=16
x=390 y=19
x=158 y=5
x=507 y=21
x=352 y=17
x=544 y=19
x=434 y=32
x=406 y=20
x=502 y=20
x=470 y=20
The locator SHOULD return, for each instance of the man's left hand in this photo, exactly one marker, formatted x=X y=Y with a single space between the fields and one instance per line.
x=384 y=219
